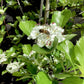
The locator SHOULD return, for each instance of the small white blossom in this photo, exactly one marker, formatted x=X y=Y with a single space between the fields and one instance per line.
x=3 y=58
x=31 y=53
x=56 y=61
x=25 y=55
x=13 y=54
x=14 y=67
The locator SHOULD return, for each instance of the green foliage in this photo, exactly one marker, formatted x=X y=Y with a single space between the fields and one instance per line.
x=61 y=18
x=2 y=33
x=73 y=80
x=27 y=26
x=79 y=53
x=27 y=49
x=42 y=78
x=63 y=61
x=2 y=19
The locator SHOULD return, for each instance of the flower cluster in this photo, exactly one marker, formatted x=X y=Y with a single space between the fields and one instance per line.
x=3 y=58
x=45 y=34
x=14 y=67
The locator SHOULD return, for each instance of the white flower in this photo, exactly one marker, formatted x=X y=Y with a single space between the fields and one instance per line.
x=14 y=67
x=3 y=58
x=47 y=35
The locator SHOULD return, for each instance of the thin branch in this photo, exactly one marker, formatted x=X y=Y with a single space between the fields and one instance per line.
x=1 y=3
x=41 y=7
x=20 y=7
x=47 y=10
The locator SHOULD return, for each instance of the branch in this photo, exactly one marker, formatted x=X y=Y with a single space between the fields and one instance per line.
x=46 y=11
x=1 y=3
x=41 y=7
x=20 y=7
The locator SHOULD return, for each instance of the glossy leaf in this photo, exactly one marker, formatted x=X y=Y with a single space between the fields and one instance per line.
x=67 y=14
x=79 y=53
x=57 y=18
x=27 y=26
x=61 y=18
x=67 y=48
x=42 y=78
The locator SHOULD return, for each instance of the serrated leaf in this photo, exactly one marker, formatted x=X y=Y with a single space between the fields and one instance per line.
x=27 y=26
x=42 y=78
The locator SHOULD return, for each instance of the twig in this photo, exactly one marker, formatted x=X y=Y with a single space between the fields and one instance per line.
x=1 y=3
x=41 y=6
x=46 y=11
x=20 y=7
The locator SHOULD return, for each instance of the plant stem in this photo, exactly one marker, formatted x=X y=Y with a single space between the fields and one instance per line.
x=1 y=3
x=20 y=7
x=41 y=6
x=46 y=11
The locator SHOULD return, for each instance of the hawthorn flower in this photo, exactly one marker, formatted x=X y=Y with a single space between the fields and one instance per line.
x=45 y=34
x=3 y=58
x=14 y=67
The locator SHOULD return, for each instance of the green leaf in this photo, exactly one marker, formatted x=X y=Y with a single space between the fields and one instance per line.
x=69 y=36
x=79 y=53
x=42 y=78
x=61 y=18
x=62 y=76
x=1 y=51
x=27 y=26
x=73 y=80
x=57 y=18
x=27 y=49
x=31 y=68
x=10 y=51
x=1 y=38
x=45 y=50
x=67 y=14
x=24 y=77
x=18 y=74
x=67 y=48
x=2 y=19
x=4 y=72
